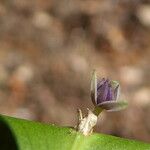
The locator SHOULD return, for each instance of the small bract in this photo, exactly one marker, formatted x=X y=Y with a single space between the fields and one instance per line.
x=105 y=93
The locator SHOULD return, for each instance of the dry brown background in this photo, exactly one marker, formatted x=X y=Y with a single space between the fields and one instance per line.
x=48 y=49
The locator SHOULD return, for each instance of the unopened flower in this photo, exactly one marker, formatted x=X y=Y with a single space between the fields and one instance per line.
x=105 y=93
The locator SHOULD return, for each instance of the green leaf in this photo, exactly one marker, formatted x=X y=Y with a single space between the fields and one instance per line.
x=19 y=134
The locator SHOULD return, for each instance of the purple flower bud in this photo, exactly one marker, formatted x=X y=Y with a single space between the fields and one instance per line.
x=104 y=94
x=106 y=91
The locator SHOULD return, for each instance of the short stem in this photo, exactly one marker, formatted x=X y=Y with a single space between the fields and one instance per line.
x=97 y=111
x=87 y=123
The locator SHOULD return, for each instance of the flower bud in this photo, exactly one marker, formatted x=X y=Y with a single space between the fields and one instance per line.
x=105 y=93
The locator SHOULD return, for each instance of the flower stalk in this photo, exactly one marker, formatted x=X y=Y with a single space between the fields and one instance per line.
x=97 y=111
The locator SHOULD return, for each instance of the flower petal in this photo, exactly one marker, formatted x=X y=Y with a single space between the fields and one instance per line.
x=102 y=91
x=116 y=88
x=94 y=87
x=113 y=105
x=110 y=94
x=114 y=83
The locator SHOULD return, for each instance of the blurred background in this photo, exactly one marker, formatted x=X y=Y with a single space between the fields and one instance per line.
x=48 y=49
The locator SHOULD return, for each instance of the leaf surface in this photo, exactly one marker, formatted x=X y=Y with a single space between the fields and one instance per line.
x=19 y=134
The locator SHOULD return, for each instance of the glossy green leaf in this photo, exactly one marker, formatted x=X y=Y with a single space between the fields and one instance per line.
x=19 y=134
